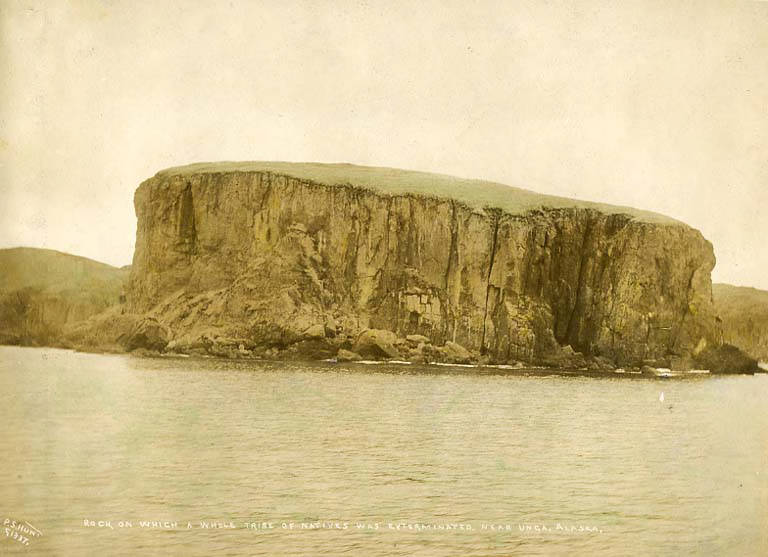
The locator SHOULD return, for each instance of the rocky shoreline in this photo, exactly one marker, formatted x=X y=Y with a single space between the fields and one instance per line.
x=116 y=332
x=148 y=337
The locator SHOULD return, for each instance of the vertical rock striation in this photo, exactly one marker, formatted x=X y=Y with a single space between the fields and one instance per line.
x=262 y=255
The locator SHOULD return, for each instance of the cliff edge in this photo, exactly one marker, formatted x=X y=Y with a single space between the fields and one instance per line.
x=297 y=259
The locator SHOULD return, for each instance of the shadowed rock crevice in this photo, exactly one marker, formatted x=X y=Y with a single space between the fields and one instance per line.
x=495 y=217
x=187 y=233
x=586 y=257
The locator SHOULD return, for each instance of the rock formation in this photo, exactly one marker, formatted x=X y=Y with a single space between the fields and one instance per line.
x=284 y=259
x=744 y=315
x=44 y=291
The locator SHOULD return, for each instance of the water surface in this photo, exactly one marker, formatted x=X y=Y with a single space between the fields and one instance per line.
x=465 y=463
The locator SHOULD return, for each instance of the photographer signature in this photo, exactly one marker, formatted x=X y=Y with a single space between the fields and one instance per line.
x=20 y=531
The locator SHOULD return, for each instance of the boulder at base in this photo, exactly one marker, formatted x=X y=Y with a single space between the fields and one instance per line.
x=347 y=356
x=456 y=353
x=148 y=334
x=377 y=344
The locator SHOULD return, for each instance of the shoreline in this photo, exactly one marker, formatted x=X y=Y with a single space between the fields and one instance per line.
x=414 y=368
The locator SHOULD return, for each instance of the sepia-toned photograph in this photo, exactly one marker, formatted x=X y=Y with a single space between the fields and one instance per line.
x=384 y=278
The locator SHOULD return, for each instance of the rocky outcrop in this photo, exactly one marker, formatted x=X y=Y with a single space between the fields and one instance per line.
x=726 y=359
x=272 y=258
x=147 y=334
x=347 y=356
x=43 y=292
x=744 y=315
x=377 y=344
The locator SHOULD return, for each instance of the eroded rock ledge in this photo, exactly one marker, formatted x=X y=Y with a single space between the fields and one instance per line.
x=262 y=264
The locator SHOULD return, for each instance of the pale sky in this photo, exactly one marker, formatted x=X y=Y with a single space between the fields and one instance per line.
x=657 y=105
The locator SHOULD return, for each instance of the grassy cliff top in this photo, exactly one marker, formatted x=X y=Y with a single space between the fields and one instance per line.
x=55 y=271
x=477 y=194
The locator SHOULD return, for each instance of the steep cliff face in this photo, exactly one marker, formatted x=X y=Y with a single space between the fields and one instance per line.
x=42 y=292
x=268 y=257
x=744 y=315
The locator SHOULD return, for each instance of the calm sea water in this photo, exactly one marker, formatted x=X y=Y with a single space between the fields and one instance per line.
x=444 y=461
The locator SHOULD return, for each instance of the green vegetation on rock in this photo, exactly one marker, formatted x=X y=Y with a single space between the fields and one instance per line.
x=477 y=194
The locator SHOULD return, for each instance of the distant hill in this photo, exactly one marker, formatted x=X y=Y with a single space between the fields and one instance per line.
x=744 y=312
x=476 y=194
x=41 y=291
